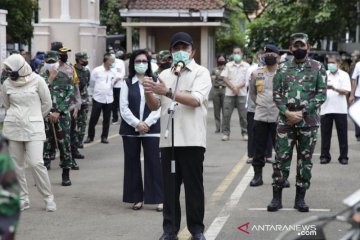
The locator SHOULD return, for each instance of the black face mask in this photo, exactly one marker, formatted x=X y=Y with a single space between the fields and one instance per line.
x=270 y=60
x=165 y=65
x=63 y=57
x=84 y=64
x=299 y=53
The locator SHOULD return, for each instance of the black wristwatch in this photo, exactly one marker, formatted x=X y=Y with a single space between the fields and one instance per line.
x=169 y=93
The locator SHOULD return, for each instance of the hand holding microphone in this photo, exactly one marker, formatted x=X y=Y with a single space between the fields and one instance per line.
x=178 y=67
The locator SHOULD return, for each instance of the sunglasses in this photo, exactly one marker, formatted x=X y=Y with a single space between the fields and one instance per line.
x=141 y=61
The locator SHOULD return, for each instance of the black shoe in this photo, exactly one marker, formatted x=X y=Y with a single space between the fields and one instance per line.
x=286 y=184
x=168 y=236
x=104 y=140
x=300 y=204
x=198 y=236
x=276 y=202
x=75 y=166
x=66 y=177
x=77 y=155
x=343 y=161
x=80 y=145
x=324 y=160
x=88 y=140
x=257 y=180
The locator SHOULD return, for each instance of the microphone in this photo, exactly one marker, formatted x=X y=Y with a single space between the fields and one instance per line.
x=178 y=67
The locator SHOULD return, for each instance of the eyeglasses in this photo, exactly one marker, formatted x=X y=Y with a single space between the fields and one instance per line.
x=141 y=61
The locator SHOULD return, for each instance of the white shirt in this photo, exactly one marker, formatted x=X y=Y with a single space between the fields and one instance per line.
x=101 y=84
x=189 y=122
x=355 y=77
x=236 y=73
x=335 y=102
x=119 y=71
x=129 y=117
x=250 y=105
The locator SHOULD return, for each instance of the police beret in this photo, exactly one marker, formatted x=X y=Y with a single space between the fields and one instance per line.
x=271 y=48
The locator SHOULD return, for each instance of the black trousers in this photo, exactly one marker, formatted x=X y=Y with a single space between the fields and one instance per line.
x=133 y=190
x=326 y=132
x=189 y=170
x=262 y=132
x=116 y=103
x=250 y=145
x=357 y=128
x=97 y=107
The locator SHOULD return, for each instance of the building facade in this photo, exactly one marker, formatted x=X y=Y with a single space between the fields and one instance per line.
x=75 y=23
x=158 y=20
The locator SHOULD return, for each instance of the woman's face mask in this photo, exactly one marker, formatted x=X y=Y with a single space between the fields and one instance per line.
x=141 y=68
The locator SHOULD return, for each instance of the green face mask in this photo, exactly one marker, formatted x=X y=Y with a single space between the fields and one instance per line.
x=140 y=68
x=181 y=56
x=237 y=57
x=332 y=67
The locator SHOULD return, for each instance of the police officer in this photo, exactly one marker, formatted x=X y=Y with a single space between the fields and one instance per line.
x=299 y=90
x=218 y=91
x=266 y=112
x=61 y=78
x=83 y=74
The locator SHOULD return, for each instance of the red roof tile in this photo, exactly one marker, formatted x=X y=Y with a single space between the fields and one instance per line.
x=174 y=4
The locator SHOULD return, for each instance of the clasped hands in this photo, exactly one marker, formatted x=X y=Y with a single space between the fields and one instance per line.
x=142 y=128
x=293 y=117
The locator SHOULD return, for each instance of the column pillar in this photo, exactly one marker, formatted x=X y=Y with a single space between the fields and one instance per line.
x=3 y=24
x=65 y=9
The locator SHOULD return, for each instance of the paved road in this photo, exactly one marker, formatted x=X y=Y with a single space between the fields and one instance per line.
x=92 y=207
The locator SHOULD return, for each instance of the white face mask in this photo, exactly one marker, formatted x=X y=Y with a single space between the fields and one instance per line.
x=51 y=66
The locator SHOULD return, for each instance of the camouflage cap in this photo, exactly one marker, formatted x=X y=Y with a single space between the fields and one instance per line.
x=299 y=37
x=51 y=56
x=81 y=55
x=64 y=50
x=164 y=53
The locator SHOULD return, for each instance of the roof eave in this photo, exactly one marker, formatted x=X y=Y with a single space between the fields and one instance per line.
x=209 y=13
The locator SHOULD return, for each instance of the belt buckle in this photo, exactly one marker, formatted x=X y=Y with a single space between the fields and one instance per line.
x=220 y=87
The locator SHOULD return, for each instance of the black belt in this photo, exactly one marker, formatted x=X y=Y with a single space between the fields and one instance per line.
x=219 y=87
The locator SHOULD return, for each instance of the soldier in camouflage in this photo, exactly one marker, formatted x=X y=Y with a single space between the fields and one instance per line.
x=83 y=74
x=299 y=89
x=61 y=79
x=9 y=194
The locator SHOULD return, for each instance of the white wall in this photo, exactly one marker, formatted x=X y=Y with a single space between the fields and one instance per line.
x=3 y=25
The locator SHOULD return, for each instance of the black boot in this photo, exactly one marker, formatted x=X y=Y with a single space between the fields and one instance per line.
x=300 y=204
x=276 y=201
x=74 y=166
x=76 y=154
x=257 y=180
x=66 y=177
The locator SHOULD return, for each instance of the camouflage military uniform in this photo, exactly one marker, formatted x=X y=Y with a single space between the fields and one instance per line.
x=62 y=91
x=298 y=87
x=9 y=195
x=84 y=78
